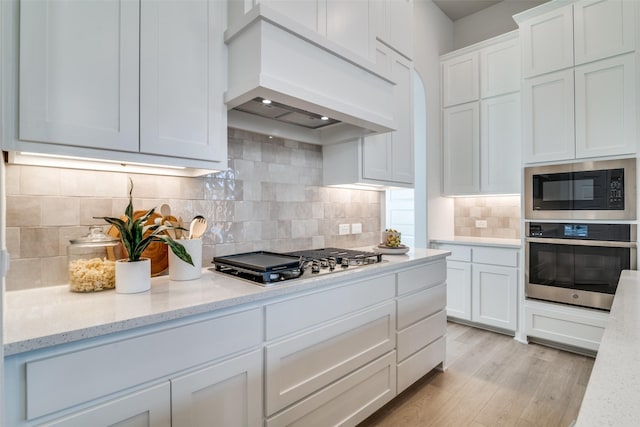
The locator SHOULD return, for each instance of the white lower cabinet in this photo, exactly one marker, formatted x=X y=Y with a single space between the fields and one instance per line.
x=482 y=285
x=348 y=401
x=494 y=296
x=305 y=363
x=459 y=290
x=127 y=379
x=329 y=356
x=422 y=322
x=148 y=407
x=339 y=355
x=575 y=327
x=229 y=392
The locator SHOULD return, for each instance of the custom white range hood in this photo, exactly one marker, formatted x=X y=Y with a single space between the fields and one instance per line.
x=307 y=77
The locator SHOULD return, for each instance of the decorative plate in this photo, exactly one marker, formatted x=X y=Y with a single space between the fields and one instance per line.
x=402 y=249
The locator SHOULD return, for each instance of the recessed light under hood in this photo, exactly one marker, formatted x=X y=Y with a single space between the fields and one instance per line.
x=306 y=76
x=285 y=113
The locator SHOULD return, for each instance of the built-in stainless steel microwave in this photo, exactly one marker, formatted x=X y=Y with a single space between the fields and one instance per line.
x=603 y=189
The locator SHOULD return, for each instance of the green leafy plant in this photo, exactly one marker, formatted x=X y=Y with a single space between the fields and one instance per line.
x=136 y=236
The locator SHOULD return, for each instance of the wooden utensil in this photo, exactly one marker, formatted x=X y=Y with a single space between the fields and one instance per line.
x=197 y=227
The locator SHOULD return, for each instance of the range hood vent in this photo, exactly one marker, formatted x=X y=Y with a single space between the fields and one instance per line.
x=306 y=77
x=285 y=113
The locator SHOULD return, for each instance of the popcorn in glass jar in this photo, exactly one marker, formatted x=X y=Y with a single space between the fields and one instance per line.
x=92 y=261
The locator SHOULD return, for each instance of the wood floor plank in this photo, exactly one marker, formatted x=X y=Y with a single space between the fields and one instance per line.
x=492 y=380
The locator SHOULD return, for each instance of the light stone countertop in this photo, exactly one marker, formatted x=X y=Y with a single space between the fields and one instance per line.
x=613 y=392
x=479 y=241
x=43 y=317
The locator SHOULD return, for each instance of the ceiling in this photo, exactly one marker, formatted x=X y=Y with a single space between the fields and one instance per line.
x=456 y=9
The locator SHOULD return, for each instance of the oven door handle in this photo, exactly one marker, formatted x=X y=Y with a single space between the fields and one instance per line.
x=577 y=242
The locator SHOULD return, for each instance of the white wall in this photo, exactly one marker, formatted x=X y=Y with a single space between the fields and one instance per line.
x=489 y=22
x=433 y=36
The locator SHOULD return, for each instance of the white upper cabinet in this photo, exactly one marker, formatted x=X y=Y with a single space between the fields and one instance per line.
x=125 y=81
x=461 y=149
x=603 y=28
x=500 y=68
x=384 y=159
x=547 y=103
x=182 y=79
x=394 y=24
x=347 y=24
x=605 y=107
x=460 y=79
x=601 y=119
x=500 y=145
x=305 y=13
x=554 y=38
x=481 y=138
x=547 y=42
x=79 y=90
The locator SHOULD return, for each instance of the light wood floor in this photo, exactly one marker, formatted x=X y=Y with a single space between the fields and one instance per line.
x=492 y=380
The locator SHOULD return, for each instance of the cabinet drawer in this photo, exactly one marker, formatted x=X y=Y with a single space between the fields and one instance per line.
x=571 y=326
x=296 y=314
x=422 y=333
x=458 y=252
x=496 y=256
x=416 y=366
x=299 y=366
x=97 y=371
x=422 y=277
x=365 y=390
x=420 y=305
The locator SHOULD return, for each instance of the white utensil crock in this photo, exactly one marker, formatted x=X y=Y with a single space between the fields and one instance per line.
x=180 y=270
x=133 y=277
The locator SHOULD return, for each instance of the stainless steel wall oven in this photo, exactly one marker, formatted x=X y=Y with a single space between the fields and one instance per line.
x=577 y=264
x=588 y=190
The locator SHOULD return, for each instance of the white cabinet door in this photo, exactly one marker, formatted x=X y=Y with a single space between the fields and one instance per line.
x=389 y=157
x=229 y=392
x=459 y=289
x=501 y=158
x=605 y=109
x=399 y=15
x=461 y=149
x=182 y=79
x=305 y=13
x=548 y=117
x=547 y=42
x=377 y=157
x=460 y=81
x=603 y=28
x=500 y=69
x=494 y=296
x=146 y=408
x=79 y=73
x=402 y=144
x=348 y=24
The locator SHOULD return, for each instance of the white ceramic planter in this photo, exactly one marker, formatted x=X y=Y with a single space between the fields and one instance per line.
x=180 y=270
x=133 y=277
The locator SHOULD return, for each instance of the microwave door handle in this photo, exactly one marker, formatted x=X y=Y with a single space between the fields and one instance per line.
x=577 y=242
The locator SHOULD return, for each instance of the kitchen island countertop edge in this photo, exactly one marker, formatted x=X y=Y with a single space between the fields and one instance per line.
x=44 y=317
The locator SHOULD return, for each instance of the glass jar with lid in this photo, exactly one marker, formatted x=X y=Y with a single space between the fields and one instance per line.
x=92 y=261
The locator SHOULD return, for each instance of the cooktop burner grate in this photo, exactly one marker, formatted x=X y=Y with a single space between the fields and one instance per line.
x=267 y=268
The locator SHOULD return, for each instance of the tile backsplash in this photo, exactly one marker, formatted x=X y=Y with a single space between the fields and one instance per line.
x=270 y=198
x=502 y=214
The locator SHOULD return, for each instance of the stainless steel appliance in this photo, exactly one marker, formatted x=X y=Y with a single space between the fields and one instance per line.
x=577 y=264
x=589 y=190
x=268 y=268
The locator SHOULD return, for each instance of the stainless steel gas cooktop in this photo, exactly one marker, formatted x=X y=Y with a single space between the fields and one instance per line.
x=268 y=268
